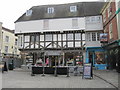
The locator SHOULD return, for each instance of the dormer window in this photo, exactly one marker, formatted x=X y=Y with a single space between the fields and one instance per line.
x=50 y=10
x=73 y=8
x=28 y=12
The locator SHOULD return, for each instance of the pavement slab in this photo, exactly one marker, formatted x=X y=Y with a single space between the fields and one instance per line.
x=21 y=79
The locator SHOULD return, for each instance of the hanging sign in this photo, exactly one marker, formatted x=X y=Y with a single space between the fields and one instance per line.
x=103 y=37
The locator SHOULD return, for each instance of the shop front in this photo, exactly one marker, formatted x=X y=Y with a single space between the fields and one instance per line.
x=113 y=55
x=96 y=56
x=56 y=58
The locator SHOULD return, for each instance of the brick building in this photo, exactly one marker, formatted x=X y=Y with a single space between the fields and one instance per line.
x=110 y=27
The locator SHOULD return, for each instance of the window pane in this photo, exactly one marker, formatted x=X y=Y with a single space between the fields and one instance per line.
x=73 y=8
x=7 y=38
x=41 y=45
x=88 y=37
x=83 y=36
x=83 y=43
x=36 y=45
x=50 y=10
x=70 y=37
x=64 y=37
x=55 y=37
x=41 y=37
x=93 y=36
x=27 y=38
x=93 y=19
x=48 y=37
x=99 y=58
x=20 y=41
x=54 y=46
x=64 y=44
x=98 y=36
x=26 y=45
x=59 y=37
x=37 y=38
x=70 y=44
x=32 y=45
x=47 y=43
x=78 y=44
x=59 y=43
x=6 y=49
x=32 y=38
x=77 y=36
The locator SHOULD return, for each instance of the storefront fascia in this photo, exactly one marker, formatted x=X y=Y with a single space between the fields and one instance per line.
x=96 y=56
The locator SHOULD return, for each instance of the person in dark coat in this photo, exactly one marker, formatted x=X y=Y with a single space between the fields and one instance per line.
x=5 y=67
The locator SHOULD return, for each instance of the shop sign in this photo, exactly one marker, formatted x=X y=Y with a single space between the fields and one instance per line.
x=103 y=37
x=87 y=70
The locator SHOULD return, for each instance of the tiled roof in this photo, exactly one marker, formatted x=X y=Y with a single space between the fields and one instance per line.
x=6 y=29
x=63 y=11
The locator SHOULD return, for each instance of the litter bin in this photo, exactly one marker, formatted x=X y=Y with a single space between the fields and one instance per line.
x=10 y=66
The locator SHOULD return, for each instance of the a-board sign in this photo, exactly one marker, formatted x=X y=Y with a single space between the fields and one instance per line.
x=87 y=70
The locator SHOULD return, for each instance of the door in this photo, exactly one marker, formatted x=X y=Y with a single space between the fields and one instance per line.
x=91 y=57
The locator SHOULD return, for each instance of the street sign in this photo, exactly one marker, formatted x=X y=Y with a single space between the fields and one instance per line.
x=87 y=70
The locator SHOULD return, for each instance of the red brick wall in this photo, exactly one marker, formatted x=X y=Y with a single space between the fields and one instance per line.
x=113 y=21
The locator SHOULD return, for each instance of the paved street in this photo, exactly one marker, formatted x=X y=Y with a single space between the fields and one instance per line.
x=21 y=79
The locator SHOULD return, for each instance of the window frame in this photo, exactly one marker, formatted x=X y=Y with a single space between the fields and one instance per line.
x=73 y=8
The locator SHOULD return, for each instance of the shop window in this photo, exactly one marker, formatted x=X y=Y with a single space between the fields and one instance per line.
x=99 y=58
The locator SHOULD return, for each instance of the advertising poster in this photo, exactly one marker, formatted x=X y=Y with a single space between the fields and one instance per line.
x=87 y=73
